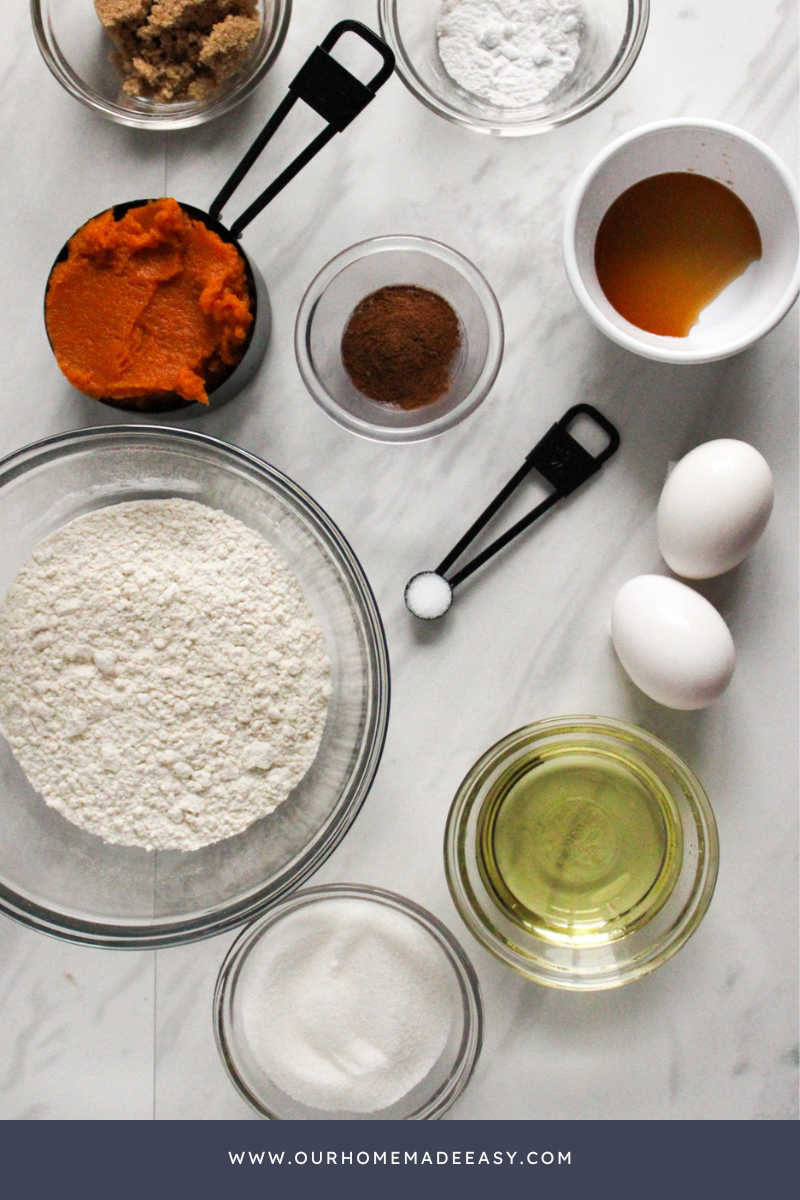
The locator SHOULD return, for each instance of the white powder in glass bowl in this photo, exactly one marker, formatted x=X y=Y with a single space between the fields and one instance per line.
x=512 y=53
x=346 y=1005
x=163 y=682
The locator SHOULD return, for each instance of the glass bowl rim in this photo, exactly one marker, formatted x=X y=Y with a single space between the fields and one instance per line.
x=537 y=969
x=194 y=112
x=639 y=18
x=453 y=951
x=239 y=909
x=387 y=243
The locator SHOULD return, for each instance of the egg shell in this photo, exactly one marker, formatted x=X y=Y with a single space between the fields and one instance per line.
x=714 y=508
x=674 y=644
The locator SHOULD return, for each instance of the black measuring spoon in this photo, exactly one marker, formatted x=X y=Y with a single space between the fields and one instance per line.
x=338 y=97
x=562 y=461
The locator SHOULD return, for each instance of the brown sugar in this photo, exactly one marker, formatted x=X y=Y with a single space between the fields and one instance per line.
x=172 y=50
x=399 y=344
x=149 y=306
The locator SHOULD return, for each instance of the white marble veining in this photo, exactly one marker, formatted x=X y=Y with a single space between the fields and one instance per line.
x=713 y=1034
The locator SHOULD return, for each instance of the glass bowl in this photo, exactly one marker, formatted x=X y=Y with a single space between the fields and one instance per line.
x=612 y=36
x=62 y=880
x=361 y=270
x=76 y=48
x=244 y=971
x=620 y=853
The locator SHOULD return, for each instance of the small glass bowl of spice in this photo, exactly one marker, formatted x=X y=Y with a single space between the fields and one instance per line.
x=348 y=1003
x=160 y=64
x=399 y=338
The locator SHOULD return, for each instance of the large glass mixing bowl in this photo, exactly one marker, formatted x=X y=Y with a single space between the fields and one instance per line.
x=62 y=880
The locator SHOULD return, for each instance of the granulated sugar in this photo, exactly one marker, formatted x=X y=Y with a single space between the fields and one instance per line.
x=512 y=53
x=346 y=1005
x=163 y=682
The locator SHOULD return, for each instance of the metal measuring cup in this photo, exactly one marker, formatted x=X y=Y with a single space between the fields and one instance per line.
x=338 y=97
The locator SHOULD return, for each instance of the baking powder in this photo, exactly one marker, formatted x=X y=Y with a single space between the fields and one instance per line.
x=163 y=682
x=513 y=53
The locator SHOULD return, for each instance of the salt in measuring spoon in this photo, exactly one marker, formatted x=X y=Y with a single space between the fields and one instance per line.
x=562 y=461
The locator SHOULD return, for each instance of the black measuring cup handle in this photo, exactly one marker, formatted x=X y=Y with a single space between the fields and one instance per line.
x=363 y=31
x=333 y=92
x=563 y=461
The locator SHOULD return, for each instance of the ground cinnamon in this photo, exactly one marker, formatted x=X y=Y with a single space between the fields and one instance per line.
x=399 y=345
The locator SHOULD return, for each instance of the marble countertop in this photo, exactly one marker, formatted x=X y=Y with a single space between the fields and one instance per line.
x=712 y=1034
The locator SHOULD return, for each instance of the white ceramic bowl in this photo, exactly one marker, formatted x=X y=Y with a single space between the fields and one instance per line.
x=749 y=307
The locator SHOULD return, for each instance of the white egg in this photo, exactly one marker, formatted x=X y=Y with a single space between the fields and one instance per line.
x=714 y=508
x=674 y=644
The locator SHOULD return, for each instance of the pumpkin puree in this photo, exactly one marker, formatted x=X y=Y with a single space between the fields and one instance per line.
x=151 y=305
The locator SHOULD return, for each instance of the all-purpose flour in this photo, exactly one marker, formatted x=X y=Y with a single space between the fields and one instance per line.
x=510 y=52
x=163 y=682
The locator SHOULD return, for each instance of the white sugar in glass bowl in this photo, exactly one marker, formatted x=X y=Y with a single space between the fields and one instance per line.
x=750 y=306
x=611 y=37
x=76 y=48
x=348 y=1003
x=56 y=877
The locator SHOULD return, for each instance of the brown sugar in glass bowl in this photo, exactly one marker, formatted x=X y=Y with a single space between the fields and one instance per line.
x=399 y=345
x=77 y=51
x=168 y=50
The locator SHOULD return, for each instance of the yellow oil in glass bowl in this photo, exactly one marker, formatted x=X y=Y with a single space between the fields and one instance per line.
x=578 y=845
x=581 y=851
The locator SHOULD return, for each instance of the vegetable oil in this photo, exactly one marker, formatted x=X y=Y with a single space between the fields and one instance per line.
x=578 y=845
